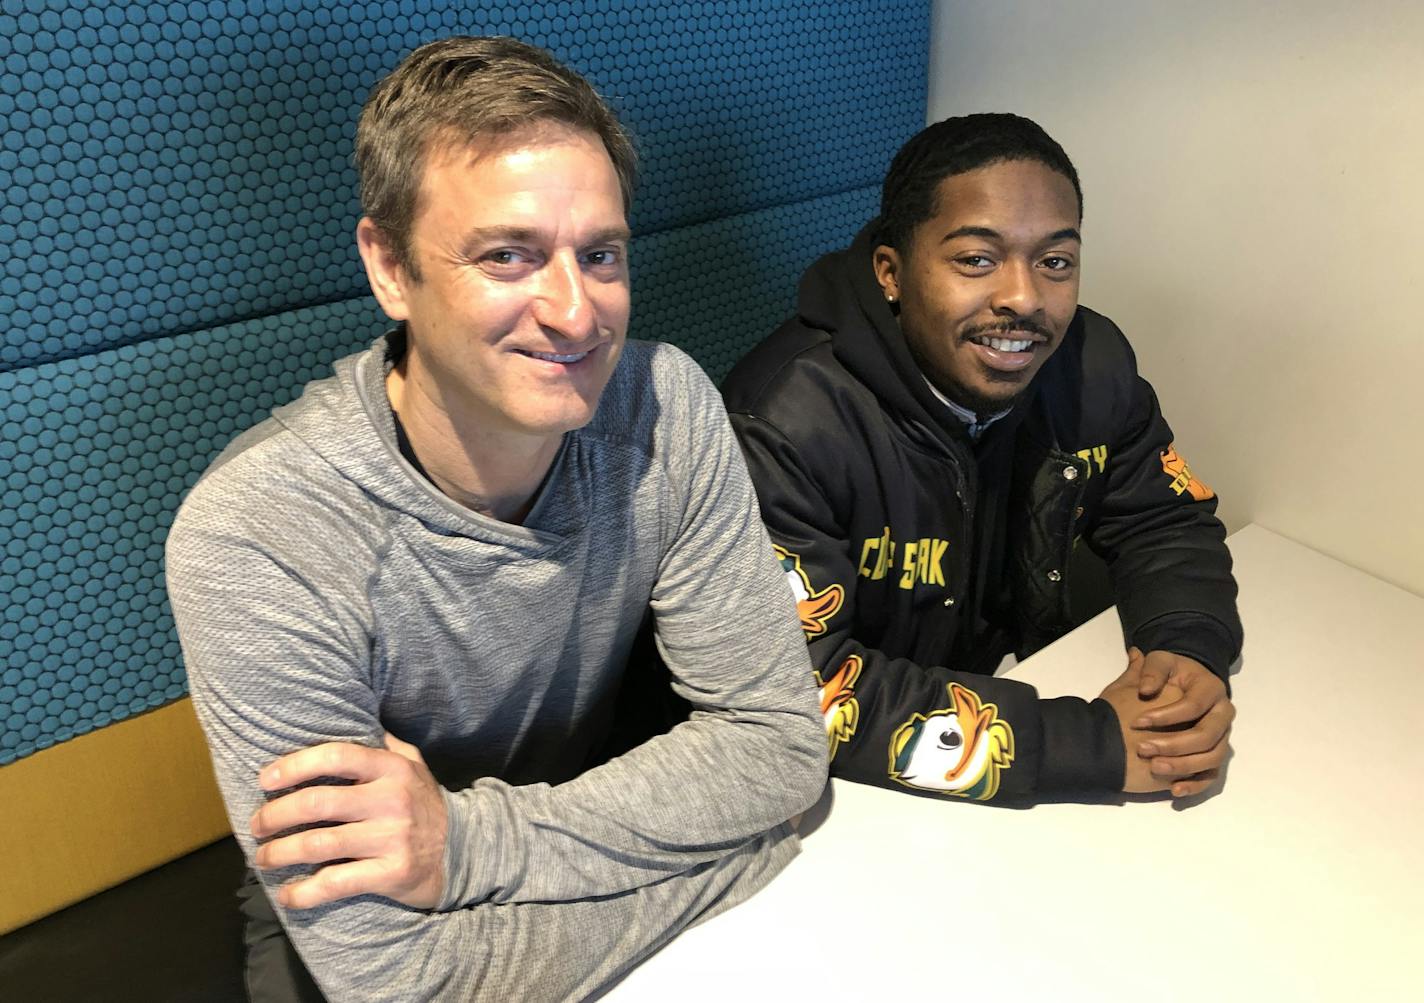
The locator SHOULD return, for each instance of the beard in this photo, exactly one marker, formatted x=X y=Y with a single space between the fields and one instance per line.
x=983 y=404
x=993 y=391
x=1004 y=390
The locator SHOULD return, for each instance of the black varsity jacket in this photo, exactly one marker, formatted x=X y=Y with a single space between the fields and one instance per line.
x=920 y=558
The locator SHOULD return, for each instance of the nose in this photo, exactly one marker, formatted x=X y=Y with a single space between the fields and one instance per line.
x=1016 y=294
x=563 y=305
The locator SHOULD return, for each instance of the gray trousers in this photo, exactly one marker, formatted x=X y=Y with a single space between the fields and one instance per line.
x=273 y=971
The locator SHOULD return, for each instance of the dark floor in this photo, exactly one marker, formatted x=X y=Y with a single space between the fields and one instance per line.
x=171 y=934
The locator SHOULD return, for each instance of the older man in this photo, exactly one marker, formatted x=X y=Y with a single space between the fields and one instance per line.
x=406 y=601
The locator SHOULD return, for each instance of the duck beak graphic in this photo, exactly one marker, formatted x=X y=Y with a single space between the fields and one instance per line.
x=816 y=611
x=837 y=689
x=974 y=719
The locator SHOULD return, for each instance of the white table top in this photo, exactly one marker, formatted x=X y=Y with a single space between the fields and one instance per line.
x=1298 y=878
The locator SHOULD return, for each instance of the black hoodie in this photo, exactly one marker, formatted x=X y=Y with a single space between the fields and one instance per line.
x=920 y=558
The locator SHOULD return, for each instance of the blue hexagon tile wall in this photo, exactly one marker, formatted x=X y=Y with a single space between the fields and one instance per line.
x=176 y=212
x=95 y=455
x=169 y=166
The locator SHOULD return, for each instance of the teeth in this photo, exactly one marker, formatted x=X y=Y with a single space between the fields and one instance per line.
x=552 y=357
x=1005 y=345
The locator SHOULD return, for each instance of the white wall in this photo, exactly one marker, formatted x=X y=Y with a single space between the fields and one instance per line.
x=1254 y=180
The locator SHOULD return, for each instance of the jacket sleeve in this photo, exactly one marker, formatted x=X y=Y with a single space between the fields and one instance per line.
x=893 y=722
x=1156 y=527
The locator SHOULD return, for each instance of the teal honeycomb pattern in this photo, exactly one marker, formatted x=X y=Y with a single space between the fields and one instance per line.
x=96 y=452
x=171 y=166
x=705 y=289
x=176 y=211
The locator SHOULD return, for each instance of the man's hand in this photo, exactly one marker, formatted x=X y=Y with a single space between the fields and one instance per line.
x=1193 y=748
x=1124 y=694
x=389 y=833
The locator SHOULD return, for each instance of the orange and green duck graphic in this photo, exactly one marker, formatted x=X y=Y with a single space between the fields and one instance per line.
x=839 y=707
x=815 y=608
x=959 y=750
x=1182 y=479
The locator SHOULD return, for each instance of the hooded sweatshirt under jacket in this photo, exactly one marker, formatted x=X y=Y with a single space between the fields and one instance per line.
x=920 y=557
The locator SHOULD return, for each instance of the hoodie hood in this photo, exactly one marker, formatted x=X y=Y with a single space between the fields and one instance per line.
x=839 y=295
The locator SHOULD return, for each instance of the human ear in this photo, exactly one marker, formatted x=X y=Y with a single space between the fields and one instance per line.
x=389 y=280
x=886 y=262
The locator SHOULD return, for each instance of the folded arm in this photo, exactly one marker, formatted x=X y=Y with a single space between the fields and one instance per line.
x=278 y=666
x=1157 y=530
x=897 y=723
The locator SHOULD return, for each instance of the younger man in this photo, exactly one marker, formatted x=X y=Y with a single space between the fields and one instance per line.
x=930 y=437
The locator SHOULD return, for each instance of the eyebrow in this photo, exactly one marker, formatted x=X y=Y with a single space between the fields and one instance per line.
x=612 y=235
x=1067 y=233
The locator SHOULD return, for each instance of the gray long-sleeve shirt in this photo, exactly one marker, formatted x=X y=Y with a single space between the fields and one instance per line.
x=325 y=591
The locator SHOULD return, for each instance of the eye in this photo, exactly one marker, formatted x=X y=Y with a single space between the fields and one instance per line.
x=603 y=258
x=1057 y=263
x=950 y=739
x=506 y=262
x=974 y=262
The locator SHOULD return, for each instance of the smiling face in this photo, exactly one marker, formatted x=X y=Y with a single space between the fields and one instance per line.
x=521 y=308
x=988 y=285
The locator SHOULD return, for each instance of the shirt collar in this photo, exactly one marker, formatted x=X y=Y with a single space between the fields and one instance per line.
x=971 y=420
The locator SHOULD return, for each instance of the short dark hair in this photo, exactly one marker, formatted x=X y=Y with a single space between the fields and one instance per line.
x=956 y=146
x=465 y=90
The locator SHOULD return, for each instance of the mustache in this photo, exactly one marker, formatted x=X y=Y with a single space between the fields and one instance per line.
x=1020 y=325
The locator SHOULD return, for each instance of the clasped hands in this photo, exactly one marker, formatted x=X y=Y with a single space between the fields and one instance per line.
x=383 y=834
x=1175 y=717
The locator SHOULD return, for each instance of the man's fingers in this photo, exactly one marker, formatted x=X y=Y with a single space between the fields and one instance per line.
x=336 y=881
x=309 y=806
x=1193 y=706
x=353 y=841
x=331 y=759
x=1129 y=674
x=1210 y=731
x=1194 y=785
x=1185 y=767
x=1156 y=670
x=403 y=749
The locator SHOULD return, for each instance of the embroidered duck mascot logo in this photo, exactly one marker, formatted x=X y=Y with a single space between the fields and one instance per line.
x=815 y=608
x=959 y=750
x=839 y=707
